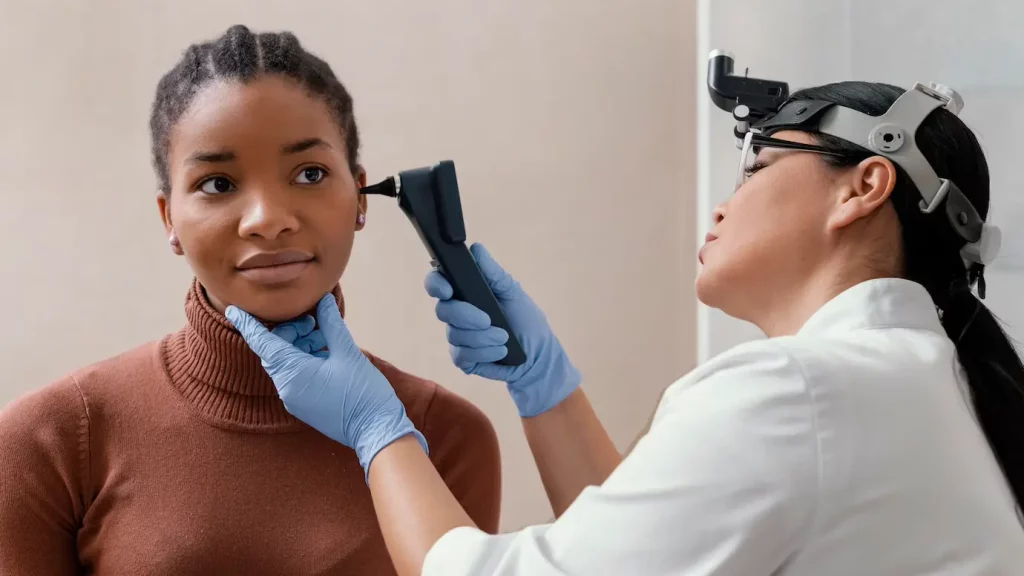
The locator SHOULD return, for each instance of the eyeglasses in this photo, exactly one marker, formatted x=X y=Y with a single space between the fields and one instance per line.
x=754 y=142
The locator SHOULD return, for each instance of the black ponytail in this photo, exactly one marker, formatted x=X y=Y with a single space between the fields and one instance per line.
x=931 y=257
x=994 y=375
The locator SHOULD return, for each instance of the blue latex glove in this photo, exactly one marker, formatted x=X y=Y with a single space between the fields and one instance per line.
x=302 y=334
x=339 y=393
x=539 y=384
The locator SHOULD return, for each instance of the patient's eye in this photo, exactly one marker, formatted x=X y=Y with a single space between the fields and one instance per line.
x=311 y=175
x=216 y=185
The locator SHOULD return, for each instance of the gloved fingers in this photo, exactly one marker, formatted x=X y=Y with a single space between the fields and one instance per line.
x=272 y=350
x=295 y=329
x=313 y=342
x=438 y=286
x=333 y=326
x=501 y=282
x=465 y=357
x=493 y=371
x=462 y=315
x=492 y=336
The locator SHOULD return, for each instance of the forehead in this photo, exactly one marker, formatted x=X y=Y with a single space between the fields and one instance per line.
x=768 y=153
x=270 y=110
x=794 y=136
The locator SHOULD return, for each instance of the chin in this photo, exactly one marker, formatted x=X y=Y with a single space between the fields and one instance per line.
x=712 y=289
x=284 y=304
x=704 y=294
x=704 y=286
x=276 y=303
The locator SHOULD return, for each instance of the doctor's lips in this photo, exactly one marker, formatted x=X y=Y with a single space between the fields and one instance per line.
x=707 y=240
x=275 y=267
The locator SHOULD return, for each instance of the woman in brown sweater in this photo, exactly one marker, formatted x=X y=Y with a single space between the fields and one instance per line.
x=179 y=457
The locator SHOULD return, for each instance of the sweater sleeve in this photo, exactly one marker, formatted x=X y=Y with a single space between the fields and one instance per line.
x=43 y=466
x=464 y=449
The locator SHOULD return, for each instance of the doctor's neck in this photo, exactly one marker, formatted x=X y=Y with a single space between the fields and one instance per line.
x=784 y=311
x=790 y=312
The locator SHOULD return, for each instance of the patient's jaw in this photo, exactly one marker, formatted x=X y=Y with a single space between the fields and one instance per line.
x=263 y=200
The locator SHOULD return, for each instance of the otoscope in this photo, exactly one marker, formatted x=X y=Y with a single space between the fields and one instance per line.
x=429 y=197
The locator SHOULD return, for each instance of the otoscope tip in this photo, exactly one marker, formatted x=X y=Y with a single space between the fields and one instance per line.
x=390 y=187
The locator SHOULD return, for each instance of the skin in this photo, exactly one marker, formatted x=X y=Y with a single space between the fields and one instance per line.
x=839 y=229
x=259 y=168
x=796 y=234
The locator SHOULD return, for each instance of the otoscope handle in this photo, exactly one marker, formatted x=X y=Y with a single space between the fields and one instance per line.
x=429 y=197
x=457 y=265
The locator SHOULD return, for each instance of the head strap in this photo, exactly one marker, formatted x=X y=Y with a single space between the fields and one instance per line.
x=892 y=135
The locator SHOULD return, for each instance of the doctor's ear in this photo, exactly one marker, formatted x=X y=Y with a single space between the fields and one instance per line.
x=863 y=189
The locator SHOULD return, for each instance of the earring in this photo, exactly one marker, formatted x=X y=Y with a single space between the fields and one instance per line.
x=175 y=244
x=361 y=219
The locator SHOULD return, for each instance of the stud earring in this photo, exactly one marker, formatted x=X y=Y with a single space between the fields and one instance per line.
x=175 y=244
x=361 y=219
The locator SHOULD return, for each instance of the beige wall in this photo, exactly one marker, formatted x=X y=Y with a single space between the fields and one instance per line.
x=571 y=124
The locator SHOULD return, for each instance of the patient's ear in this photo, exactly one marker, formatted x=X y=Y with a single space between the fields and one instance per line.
x=362 y=205
x=164 y=205
x=165 y=211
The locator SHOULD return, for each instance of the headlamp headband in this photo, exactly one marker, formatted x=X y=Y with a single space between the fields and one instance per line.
x=891 y=135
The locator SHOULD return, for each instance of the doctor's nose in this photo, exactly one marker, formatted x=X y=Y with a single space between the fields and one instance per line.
x=718 y=214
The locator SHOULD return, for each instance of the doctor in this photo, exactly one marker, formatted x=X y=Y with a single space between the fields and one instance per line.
x=877 y=430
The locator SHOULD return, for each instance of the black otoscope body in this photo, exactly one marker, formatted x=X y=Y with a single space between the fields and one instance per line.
x=429 y=197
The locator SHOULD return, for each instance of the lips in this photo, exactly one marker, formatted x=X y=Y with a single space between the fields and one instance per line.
x=279 y=258
x=275 y=267
x=708 y=239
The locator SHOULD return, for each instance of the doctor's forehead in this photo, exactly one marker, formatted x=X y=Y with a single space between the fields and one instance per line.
x=794 y=136
x=766 y=153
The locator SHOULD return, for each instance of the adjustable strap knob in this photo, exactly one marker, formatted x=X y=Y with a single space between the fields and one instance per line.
x=985 y=250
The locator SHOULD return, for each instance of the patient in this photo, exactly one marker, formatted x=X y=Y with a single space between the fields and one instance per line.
x=178 y=457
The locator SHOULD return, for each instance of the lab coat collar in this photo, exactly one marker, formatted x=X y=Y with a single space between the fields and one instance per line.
x=879 y=303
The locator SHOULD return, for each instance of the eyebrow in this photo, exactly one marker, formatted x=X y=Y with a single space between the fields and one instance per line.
x=303 y=145
x=229 y=156
x=211 y=157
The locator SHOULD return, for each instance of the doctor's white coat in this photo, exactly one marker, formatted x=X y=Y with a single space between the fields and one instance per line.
x=848 y=449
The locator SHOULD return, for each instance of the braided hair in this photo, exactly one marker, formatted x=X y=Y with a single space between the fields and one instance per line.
x=244 y=56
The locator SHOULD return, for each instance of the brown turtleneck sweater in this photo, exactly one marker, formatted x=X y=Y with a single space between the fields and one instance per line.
x=178 y=458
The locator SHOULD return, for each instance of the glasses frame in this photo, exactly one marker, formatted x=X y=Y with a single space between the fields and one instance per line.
x=755 y=140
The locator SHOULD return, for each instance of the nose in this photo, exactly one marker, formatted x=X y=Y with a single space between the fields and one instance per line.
x=267 y=214
x=718 y=214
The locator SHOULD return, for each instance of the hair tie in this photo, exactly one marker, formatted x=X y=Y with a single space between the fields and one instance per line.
x=976 y=277
x=960 y=287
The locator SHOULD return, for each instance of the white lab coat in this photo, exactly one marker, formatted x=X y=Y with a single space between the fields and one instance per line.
x=847 y=449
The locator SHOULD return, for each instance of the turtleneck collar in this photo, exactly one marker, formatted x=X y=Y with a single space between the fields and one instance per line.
x=213 y=368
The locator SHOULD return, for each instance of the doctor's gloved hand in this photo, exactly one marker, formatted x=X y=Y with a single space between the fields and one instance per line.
x=302 y=334
x=337 y=391
x=539 y=384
